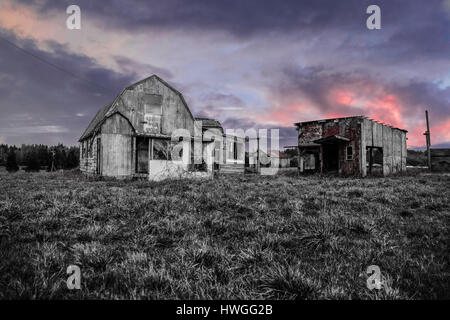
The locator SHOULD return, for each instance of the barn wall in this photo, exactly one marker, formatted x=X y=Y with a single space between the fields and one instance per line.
x=393 y=142
x=154 y=108
x=388 y=154
x=347 y=127
x=88 y=164
x=362 y=150
x=117 y=147
x=309 y=132
x=350 y=128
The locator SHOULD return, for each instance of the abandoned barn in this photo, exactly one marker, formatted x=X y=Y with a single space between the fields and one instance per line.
x=139 y=135
x=351 y=146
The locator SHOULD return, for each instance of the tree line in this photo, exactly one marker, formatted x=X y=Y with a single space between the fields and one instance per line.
x=37 y=157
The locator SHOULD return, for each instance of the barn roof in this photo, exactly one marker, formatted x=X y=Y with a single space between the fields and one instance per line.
x=99 y=117
x=297 y=124
x=210 y=123
x=107 y=110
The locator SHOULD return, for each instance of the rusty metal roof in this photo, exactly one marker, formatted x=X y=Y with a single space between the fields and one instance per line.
x=343 y=118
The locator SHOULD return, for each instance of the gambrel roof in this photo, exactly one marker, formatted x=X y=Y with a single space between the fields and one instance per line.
x=110 y=109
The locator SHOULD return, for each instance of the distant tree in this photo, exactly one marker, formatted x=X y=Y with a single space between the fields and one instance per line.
x=32 y=161
x=3 y=154
x=43 y=155
x=60 y=157
x=11 y=162
x=73 y=159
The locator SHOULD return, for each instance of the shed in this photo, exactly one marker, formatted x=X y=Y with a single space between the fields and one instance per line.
x=351 y=146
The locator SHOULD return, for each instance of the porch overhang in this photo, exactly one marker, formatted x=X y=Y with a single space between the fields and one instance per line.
x=334 y=139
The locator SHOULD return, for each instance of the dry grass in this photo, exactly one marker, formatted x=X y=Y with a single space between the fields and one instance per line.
x=236 y=237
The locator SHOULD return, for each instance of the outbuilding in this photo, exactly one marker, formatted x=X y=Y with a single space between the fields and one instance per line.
x=351 y=146
x=148 y=131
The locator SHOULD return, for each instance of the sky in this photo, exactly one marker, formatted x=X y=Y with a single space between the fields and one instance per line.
x=247 y=63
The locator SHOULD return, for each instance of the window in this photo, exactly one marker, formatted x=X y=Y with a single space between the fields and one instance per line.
x=349 y=153
x=152 y=103
x=160 y=149
x=90 y=149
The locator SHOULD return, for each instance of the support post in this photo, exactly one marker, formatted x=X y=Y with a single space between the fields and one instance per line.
x=427 y=135
x=257 y=156
x=299 y=161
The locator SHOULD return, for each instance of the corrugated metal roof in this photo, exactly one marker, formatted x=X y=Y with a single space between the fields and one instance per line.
x=342 y=118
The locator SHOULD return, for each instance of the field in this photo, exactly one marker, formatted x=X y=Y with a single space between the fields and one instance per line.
x=235 y=237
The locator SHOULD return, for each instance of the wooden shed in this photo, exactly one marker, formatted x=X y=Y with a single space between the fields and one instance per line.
x=351 y=146
x=148 y=131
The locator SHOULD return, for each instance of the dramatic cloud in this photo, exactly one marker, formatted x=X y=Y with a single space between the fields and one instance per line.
x=247 y=63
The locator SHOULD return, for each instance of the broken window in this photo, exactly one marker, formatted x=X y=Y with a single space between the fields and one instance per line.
x=152 y=103
x=349 y=153
x=374 y=158
x=160 y=149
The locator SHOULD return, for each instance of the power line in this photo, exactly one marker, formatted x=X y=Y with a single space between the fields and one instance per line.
x=55 y=66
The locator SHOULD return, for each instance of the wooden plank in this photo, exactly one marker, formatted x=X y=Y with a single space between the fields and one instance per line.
x=377 y=134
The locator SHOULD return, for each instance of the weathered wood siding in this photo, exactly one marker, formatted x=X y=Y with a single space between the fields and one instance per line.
x=391 y=140
x=88 y=159
x=152 y=97
x=363 y=133
x=346 y=127
x=117 y=145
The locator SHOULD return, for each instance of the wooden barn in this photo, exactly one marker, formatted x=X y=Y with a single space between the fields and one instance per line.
x=149 y=132
x=351 y=146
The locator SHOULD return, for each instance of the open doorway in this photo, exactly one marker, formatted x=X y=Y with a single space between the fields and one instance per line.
x=374 y=156
x=142 y=149
x=330 y=157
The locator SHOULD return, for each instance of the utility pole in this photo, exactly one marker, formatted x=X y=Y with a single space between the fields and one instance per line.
x=427 y=135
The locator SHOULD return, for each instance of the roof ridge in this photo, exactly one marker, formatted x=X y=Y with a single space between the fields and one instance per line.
x=104 y=111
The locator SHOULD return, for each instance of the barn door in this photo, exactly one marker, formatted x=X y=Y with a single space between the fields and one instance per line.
x=142 y=154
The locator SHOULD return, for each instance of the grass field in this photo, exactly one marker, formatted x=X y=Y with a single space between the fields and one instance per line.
x=236 y=237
